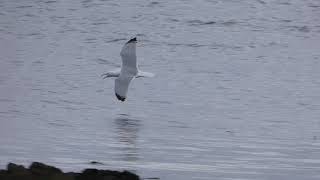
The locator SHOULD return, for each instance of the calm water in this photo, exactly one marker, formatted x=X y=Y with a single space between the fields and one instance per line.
x=236 y=92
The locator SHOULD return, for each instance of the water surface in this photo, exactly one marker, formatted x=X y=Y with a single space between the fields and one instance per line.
x=236 y=92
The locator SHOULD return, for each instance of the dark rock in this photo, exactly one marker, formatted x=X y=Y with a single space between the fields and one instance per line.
x=16 y=169
x=94 y=174
x=15 y=172
x=40 y=171
x=129 y=175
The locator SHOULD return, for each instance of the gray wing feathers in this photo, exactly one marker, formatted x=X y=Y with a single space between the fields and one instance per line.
x=121 y=87
x=128 y=55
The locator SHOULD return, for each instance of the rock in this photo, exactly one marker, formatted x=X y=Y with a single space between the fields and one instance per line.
x=15 y=172
x=16 y=169
x=94 y=174
x=40 y=171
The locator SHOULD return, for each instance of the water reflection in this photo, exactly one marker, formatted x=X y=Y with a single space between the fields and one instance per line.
x=127 y=130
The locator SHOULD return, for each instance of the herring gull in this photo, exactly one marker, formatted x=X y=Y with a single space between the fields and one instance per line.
x=129 y=70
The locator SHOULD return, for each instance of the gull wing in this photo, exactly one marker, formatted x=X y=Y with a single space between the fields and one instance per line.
x=121 y=87
x=145 y=74
x=113 y=73
x=129 y=58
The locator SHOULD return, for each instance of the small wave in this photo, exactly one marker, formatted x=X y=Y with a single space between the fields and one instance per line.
x=153 y=4
x=314 y=6
x=55 y=92
x=99 y=23
x=104 y=61
x=86 y=1
x=22 y=7
x=49 y=102
x=286 y=20
x=90 y=40
x=304 y=29
x=49 y=2
x=160 y=102
x=261 y=2
x=6 y=100
x=96 y=163
x=173 y=20
x=284 y=3
x=186 y=45
x=38 y=62
x=72 y=102
x=58 y=124
x=228 y=23
x=69 y=108
x=29 y=15
x=34 y=34
x=218 y=23
x=200 y=23
x=115 y=40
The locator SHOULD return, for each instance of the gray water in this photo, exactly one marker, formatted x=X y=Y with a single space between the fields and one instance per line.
x=236 y=93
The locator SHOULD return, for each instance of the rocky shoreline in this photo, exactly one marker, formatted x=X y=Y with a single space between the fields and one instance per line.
x=40 y=171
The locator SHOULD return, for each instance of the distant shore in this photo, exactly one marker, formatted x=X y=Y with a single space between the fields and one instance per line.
x=40 y=171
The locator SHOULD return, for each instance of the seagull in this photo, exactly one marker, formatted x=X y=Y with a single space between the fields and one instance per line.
x=129 y=70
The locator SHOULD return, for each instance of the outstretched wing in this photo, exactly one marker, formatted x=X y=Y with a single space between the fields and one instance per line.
x=129 y=58
x=144 y=74
x=113 y=73
x=121 y=87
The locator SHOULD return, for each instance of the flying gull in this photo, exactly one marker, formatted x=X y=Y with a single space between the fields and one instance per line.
x=129 y=70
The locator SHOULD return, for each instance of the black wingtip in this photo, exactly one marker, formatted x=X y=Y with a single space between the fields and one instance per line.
x=132 y=40
x=120 y=97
